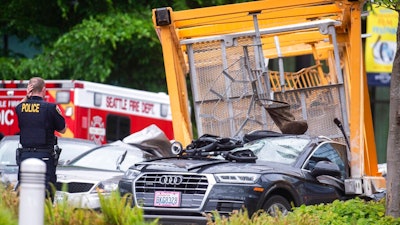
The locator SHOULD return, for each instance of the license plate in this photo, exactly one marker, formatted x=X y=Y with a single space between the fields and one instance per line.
x=167 y=198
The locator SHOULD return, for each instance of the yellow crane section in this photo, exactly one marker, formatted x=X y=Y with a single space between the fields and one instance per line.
x=237 y=57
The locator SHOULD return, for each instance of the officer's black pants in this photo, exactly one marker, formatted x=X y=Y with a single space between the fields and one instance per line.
x=51 y=177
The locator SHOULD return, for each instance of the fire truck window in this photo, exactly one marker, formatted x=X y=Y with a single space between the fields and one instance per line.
x=164 y=110
x=22 y=85
x=62 y=97
x=97 y=99
x=117 y=127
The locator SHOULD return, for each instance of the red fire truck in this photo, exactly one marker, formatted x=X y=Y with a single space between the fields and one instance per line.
x=93 y=111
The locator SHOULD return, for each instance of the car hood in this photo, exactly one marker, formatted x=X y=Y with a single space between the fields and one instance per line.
x=87 y=174
x=211 y=166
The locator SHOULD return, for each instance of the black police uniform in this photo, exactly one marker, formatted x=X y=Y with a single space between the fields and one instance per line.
x=37 y=121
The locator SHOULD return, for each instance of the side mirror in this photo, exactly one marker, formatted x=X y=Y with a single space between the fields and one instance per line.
x=326 y=168
x=176 y=148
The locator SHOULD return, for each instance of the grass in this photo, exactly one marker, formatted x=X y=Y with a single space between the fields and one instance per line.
x=115 y=210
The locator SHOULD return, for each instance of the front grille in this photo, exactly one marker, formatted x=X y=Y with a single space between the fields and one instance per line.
x=192 y=188
x=74 y=187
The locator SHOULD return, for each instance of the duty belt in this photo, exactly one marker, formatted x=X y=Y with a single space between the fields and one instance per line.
x=48 y=150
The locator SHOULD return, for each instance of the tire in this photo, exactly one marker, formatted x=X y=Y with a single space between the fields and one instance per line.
x=276 y=205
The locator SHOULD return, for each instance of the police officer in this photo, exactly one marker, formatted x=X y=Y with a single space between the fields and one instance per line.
x=37 y=121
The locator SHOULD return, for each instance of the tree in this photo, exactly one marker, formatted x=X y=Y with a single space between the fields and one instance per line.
x=97 y=40
x=110 y=41
x=103 y=41
x=393 y=146
x=117 y=48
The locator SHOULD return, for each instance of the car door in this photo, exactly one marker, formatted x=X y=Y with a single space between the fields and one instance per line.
x=324 y=189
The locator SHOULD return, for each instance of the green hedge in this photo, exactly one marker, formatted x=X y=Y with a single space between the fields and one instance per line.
x=117 y=210
x=354 y=212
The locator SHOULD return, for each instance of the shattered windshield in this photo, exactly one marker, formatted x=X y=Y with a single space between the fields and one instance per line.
x=278 y=149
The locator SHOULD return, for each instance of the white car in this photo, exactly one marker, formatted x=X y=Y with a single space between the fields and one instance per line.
x=71 y=147
x=99 y=170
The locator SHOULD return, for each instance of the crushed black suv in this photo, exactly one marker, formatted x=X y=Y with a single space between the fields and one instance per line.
x=264 y=170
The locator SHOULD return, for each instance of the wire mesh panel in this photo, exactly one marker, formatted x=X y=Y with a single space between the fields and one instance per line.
x=230 y=91
x=222 y=90
x=318 y=106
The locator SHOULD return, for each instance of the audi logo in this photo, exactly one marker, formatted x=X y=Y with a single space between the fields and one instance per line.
x=170 y=180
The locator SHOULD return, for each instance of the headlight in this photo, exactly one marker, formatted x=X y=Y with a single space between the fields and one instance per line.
x=131 y=174
x=106 y=186
x=240 y=178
